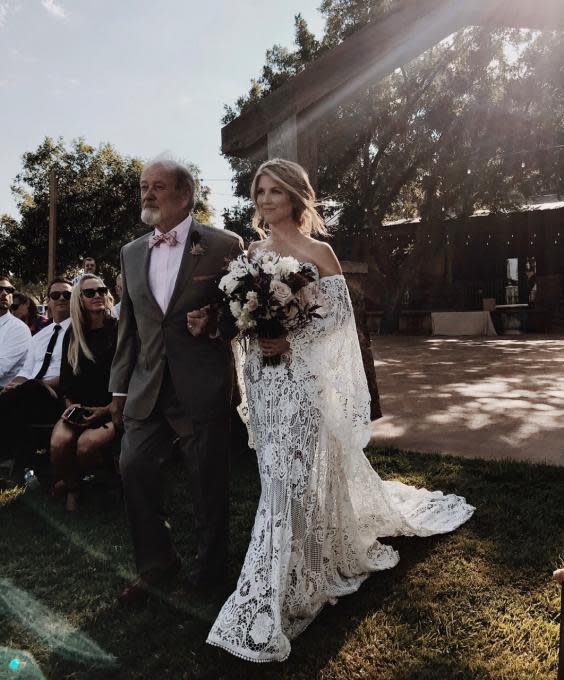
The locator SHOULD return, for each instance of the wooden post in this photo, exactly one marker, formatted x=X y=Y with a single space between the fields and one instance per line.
x=52 y=252
x=308 y=135
x=283 y=140
x=296 y=140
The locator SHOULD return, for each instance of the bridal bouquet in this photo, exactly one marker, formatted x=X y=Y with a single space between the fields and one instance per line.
x=269 y=295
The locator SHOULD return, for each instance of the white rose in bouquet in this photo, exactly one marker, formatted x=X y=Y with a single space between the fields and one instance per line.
x=281 y=292
x=238 y=270
x=287 y=266
x=305 y=294
x=269 y=268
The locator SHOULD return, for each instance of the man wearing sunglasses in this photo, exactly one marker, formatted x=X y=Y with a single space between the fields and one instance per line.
x=15 y=336
x=31 y=396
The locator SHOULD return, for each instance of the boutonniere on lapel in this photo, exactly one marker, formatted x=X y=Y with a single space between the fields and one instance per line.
x=197 y=247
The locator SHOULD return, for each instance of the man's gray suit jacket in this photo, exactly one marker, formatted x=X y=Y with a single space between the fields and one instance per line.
x=201 y=368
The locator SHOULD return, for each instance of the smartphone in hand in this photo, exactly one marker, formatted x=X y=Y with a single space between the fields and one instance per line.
x=76 y=415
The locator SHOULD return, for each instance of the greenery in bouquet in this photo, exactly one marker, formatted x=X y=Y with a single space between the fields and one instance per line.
x=270 y=294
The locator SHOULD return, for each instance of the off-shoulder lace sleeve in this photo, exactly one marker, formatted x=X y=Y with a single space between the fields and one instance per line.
x=328 y=348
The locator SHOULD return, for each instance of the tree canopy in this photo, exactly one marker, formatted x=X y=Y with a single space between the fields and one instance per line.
x=98 y=209
x=473 y=123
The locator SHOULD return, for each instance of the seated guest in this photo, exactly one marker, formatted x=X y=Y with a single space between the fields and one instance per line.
x=31 y=397
x=15 y=336
x=24 y=307
x=85 y=427
x=119 y=290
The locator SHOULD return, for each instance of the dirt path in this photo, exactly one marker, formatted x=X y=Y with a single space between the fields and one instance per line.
x=476 y=397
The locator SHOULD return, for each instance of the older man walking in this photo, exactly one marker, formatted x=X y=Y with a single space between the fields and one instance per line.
x=172 y=376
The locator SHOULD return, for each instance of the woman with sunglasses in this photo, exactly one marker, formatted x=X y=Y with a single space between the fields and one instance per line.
x=24 y=307
x=85 y=427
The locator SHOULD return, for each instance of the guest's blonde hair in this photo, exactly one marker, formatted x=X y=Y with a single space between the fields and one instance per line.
x=79 y=322
x=294 y=179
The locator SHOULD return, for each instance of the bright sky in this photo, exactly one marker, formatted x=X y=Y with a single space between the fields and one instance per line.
x=147 y=76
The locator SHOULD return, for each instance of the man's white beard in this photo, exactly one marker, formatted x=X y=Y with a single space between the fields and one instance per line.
x=151 y=216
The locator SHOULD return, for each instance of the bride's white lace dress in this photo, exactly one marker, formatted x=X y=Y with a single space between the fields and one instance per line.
x=322 y=508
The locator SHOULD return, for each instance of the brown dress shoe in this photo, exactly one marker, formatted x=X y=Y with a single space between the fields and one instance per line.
x=138 y=591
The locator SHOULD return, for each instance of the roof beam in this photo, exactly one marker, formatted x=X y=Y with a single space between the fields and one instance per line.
x=369 y=55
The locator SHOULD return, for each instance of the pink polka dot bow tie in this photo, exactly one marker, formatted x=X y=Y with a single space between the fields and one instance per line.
x=169 y=239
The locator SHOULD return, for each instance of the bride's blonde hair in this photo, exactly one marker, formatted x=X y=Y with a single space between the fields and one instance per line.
x=292 y=178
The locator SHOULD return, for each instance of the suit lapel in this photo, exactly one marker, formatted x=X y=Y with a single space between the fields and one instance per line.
x=188 y=266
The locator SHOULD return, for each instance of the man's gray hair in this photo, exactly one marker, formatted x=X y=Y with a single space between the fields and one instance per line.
x=184 y=178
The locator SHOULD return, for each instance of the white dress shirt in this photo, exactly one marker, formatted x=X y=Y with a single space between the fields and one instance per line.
x=37 y=351
x=164 y=264
x=15 y=339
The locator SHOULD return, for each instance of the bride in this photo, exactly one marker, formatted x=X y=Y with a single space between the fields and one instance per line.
x=322 y=508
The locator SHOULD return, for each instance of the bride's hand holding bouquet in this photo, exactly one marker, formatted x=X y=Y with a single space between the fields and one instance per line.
x=269 y=295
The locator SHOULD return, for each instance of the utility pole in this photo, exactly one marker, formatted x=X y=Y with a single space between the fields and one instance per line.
x=52 y=226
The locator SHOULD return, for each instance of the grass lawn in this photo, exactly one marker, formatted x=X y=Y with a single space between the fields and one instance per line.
x=476 y=604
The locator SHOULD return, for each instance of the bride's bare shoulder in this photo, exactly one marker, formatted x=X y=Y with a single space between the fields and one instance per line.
x=324 y=258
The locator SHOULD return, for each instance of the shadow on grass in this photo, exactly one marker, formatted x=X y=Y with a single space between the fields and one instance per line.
x=76 y=566
x=519 y=509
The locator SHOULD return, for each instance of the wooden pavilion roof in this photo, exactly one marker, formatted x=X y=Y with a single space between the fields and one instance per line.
x=371 y=54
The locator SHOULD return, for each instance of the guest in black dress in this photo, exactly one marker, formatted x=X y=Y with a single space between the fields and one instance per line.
x=89 y=344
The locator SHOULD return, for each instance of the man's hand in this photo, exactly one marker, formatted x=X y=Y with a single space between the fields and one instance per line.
x=116 y=411
x=273 y=347
x=198 y=320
